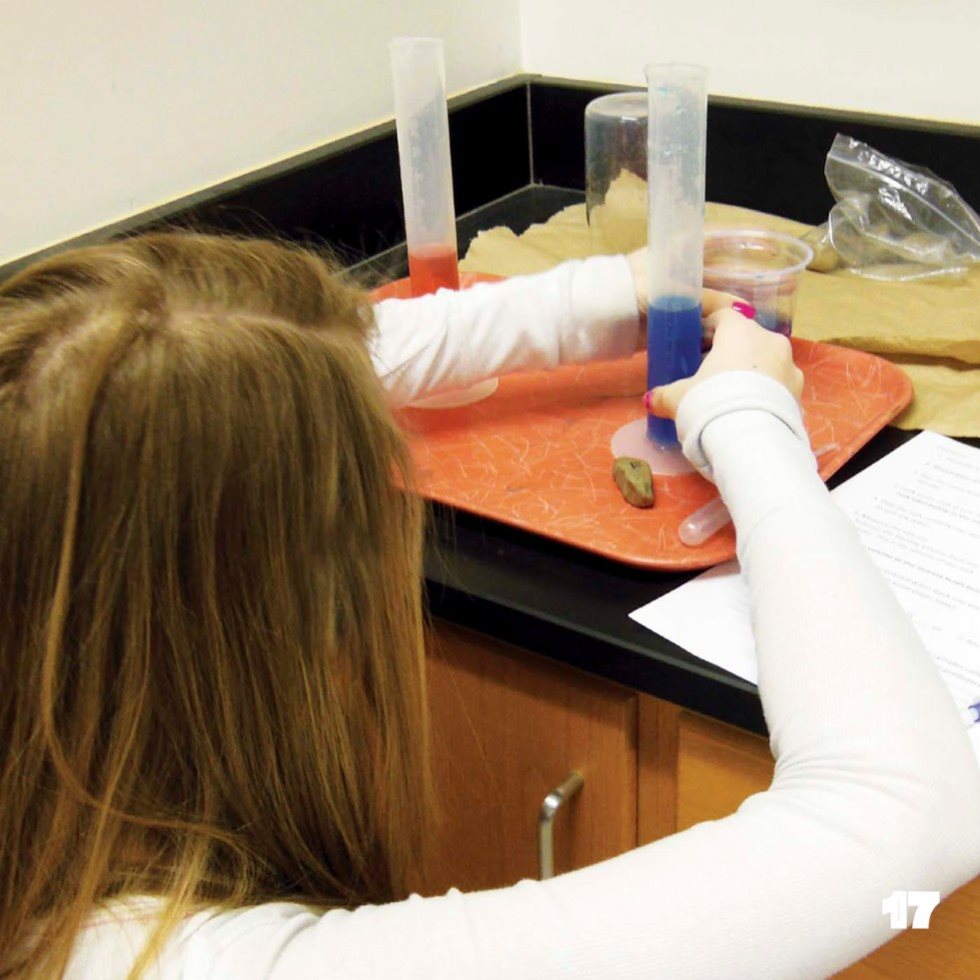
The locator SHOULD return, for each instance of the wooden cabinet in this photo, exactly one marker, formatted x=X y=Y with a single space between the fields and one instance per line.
x=508 y=726
x=694 y=768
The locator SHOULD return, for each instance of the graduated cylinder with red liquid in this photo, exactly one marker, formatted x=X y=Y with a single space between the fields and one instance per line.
x=432 y=267
x=422 y=123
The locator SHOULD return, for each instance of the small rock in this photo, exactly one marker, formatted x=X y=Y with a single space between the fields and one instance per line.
x=825 y=257
x=635 y=481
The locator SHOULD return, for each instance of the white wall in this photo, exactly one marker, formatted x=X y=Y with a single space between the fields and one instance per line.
x=902 y=57
x=109 y=107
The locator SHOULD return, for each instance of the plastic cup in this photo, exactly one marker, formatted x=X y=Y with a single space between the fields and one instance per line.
x=763 y=267
x=616 y=172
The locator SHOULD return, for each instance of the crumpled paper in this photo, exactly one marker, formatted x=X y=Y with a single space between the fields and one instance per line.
x=619 y=223
x=930 y=329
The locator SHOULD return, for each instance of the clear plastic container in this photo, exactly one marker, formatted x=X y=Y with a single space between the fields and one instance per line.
x=616 y=172
x=763 y=267
x=677 y=113
x=422 y=123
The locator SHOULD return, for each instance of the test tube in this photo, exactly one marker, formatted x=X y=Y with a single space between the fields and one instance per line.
x=422 y=122
x=676 y=121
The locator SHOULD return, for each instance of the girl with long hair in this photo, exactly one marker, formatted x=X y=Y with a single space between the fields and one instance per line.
x=213 y=731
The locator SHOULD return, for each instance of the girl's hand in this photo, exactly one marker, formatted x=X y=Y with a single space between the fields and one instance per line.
x=711 y=301
x=740 y=344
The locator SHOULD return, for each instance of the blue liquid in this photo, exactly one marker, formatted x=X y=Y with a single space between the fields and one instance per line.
x=673 y=352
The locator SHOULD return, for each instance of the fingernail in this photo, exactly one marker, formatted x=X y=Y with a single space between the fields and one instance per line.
x=746 y=309
x=647 y=399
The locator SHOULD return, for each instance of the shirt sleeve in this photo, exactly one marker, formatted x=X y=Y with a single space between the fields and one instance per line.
x=580 y=311
x=876 y=787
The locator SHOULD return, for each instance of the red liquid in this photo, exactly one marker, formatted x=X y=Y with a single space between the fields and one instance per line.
x=433 y=267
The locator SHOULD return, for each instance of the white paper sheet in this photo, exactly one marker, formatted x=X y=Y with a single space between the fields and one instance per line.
x=918 y=513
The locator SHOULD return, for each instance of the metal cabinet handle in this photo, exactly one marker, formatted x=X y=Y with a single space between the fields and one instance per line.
x=546 y=821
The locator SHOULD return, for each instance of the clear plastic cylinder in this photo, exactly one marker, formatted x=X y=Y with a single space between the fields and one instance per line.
x=616 y=172
x=422 y=122
x=676 y=135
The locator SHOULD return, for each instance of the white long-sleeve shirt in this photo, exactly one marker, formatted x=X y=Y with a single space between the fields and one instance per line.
x=577 y=312
x=791 y=885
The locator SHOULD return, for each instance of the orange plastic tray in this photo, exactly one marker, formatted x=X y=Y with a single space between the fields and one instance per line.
x=536 y=454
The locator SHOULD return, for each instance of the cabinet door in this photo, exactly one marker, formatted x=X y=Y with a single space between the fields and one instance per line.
x=695 y=769
x=507 y=728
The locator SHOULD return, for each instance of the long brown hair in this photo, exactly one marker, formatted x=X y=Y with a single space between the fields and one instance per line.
x=211 y=677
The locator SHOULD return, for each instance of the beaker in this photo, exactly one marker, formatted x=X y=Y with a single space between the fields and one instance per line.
x=616 y=172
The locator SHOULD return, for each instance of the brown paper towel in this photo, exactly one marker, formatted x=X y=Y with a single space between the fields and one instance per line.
x=930 y=329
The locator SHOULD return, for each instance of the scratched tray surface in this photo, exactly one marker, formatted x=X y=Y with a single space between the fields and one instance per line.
x=536 y=454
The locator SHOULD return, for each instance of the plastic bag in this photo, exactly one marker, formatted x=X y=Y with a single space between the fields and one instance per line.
x=893 y=221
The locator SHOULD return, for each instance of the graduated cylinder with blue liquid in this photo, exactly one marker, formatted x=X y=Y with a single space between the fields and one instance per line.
x=673 y=351
x=677 y=125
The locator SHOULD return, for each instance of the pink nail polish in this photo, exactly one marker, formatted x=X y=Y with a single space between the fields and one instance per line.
x=646 y=401
x=746 y=309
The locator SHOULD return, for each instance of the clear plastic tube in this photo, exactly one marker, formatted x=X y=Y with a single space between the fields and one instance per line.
x=677 y=121
x=700 y=525
x=422 y=123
